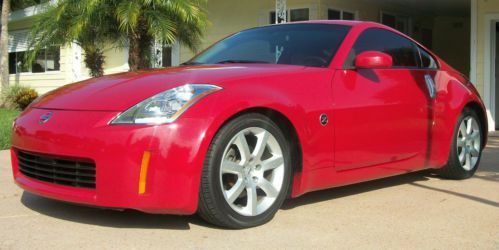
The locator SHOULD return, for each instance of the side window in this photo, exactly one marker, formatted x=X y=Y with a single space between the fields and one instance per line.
x=296 y=15
x=427 y=61
x=335 y=14
x=403 y=51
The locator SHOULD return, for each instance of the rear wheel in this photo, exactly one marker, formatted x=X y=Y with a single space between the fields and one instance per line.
x=246 y=174
x=466 y=148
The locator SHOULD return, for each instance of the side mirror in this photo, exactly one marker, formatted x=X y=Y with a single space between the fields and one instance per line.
x=373 y=60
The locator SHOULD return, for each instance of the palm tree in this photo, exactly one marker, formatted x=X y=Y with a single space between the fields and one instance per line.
x=167 y=21
x=4 y=40
x=123 y=23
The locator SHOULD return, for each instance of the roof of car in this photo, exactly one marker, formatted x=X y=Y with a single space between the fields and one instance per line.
x=343 y=22
x=340 y=22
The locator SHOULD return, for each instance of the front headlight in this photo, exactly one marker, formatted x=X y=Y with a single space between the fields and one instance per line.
x=166 y=106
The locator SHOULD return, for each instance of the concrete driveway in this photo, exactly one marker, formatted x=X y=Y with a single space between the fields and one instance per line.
x=416 y=210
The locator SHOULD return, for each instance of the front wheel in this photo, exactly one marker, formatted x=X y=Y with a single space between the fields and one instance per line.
x=466 y=148
x=246 y=174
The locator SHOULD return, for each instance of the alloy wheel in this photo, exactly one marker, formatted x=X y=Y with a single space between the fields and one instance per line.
x=252 y=171
x=468 y=143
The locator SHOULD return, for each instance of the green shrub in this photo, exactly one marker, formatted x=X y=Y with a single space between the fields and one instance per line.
x=25 y=97
x=6 y=119
x=18 y=96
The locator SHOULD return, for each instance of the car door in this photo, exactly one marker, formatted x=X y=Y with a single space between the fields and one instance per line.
x=382 y=116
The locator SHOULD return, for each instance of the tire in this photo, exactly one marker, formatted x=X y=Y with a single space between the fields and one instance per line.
x=233 y=174
x=466 y=149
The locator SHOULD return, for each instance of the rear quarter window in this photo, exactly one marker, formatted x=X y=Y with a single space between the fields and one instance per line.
x=427 y=61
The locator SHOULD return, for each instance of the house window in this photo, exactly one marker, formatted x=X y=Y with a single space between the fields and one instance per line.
x=46 y=60
x=297 y=15
x=398 y=22
x=17 y=63
x=294 y=15
x=334 y=14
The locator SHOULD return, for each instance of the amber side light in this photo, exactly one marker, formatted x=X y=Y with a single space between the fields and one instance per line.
x=143 y=171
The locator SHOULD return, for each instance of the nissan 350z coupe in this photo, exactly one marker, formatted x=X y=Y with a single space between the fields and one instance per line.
x=263 y=115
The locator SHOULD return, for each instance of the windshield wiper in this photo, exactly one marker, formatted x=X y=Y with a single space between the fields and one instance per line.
x=240 y=61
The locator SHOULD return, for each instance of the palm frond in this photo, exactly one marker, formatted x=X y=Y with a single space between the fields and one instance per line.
x=127 y=14
x=95 y=23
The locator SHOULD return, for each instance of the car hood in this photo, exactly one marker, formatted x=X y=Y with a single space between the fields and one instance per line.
x=121 y=91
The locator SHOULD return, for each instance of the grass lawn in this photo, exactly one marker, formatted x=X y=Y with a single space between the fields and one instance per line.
x=6 y=118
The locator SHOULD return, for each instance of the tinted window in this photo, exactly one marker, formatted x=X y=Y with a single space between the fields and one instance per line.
x=299 y=15
x=403 y=51
x=12 y=63
x=427 y=60
x=295 y=44
x=167 y=56
x=333 y=14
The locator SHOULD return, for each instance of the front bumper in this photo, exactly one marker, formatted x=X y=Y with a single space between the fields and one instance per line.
x=172 y=178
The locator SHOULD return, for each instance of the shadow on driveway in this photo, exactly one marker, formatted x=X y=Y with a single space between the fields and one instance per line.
x=106 y=217
x=470 y=197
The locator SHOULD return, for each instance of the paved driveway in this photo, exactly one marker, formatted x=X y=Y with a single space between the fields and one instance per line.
x=411 y=211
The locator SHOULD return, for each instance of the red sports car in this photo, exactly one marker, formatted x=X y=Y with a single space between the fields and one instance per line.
x=265 y=114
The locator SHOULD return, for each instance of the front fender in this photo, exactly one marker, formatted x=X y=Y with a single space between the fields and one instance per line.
x=293 y=96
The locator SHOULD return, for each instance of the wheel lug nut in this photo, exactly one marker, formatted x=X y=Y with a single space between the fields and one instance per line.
x=255 y=179
x=258 y=167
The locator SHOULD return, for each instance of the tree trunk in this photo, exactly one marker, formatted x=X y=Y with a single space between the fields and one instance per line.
x=145 y=44
x=4 y=45
x=139 y=51
x=133 y=52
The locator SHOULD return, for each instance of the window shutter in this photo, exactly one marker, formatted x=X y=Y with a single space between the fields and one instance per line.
x=18 y=41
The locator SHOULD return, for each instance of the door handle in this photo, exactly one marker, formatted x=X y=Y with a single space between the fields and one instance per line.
x=431 y=86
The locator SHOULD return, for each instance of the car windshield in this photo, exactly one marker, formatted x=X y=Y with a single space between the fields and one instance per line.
x=294 y=44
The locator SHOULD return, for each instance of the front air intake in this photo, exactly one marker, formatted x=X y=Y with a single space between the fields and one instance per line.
x=57 y=169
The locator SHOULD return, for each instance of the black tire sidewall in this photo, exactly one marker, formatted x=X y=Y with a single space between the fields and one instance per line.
x=454 y=162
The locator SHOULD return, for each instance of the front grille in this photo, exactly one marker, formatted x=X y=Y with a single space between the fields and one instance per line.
x=57 y=170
